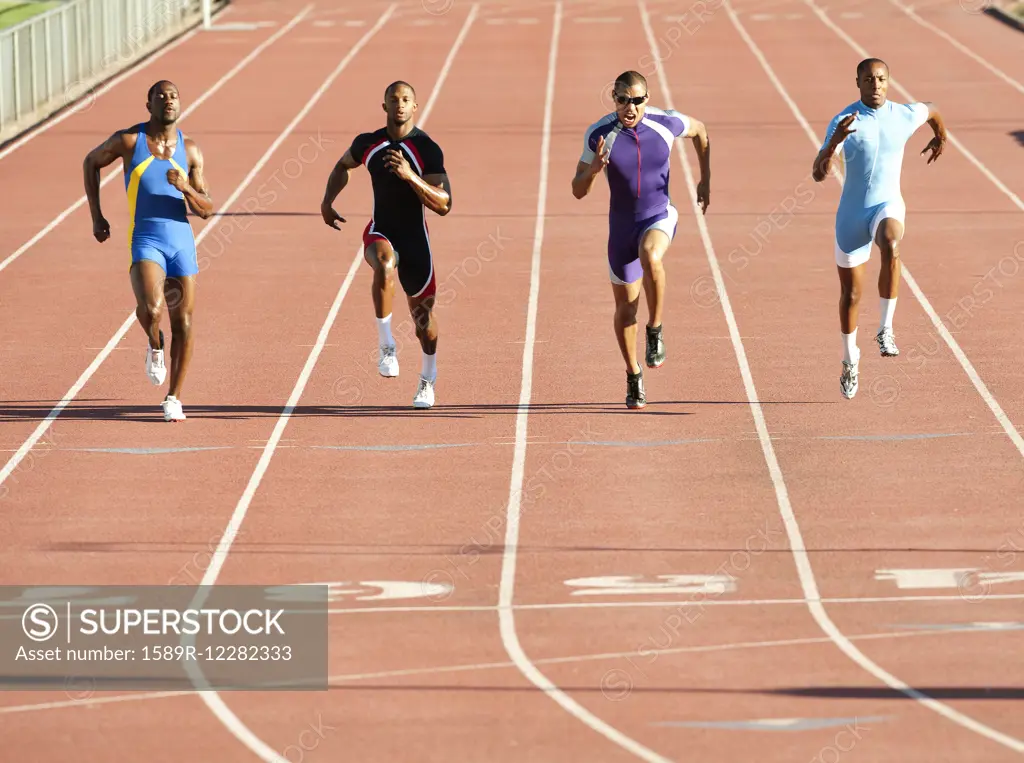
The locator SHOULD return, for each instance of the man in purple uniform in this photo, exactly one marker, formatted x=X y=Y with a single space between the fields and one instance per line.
x=633 y=147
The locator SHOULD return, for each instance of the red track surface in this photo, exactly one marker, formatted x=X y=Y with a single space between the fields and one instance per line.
x=916 y=472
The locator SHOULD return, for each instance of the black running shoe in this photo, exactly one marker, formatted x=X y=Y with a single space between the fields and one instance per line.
x=655 y=347
x=636 y=396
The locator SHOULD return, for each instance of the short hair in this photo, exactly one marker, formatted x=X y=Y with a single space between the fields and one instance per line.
x=867 y=63
x=156 y=86
x=630 y=78
x=395 y=85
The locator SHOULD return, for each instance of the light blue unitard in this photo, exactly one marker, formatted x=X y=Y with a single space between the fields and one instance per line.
x=873 y=156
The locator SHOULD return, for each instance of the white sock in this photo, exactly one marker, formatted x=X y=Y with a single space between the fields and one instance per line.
x=429 y=367
x=851 y=353
x=888 y=307
x=384 y=330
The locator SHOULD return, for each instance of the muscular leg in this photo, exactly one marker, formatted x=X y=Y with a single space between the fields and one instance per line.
x=180 y=293
x=381 y=258
x=652 y=248
x=147 y=279
x=627 y=299
x=422 y=311
x=887 y=237
x=850 y=282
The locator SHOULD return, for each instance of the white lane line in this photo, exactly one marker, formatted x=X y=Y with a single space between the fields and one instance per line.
x=211 y=698
x=799 y=551
x=960 y=46
x=936 y=321
x=119 y=172
x=89 y=98
x=685 y=603
x=443 y=669
x=40 y=430
x=906 y=94
x=506 y=618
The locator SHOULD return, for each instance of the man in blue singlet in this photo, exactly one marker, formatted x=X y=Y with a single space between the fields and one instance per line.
x=632 y=146
x=163 y=171
x=869 y=136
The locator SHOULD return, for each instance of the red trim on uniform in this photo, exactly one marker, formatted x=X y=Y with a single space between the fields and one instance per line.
x=370 y=149
x=431 y=288
x=370 y=236
x=416 y=153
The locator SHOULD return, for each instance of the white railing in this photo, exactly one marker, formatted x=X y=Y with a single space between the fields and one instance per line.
x=52 y=59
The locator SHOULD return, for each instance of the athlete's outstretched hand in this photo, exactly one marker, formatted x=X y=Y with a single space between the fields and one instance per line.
x=935 y=145
x=395 y=161
x=601 y=157
x=331 y=217
x=101 y=229
x=703 y=195
x=843 y=129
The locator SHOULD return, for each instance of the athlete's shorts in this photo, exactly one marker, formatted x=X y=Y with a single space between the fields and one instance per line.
x=176 y=256
x=413 y=258
x=856 y=228
x=624 y=237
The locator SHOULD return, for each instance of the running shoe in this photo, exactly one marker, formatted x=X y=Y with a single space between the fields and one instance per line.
x=424 y=394
x=155 y=368
x=172 y=409
x=887 y=343
x=388 y=363
x=655 y=347
x=848 y=380
x=636 y=396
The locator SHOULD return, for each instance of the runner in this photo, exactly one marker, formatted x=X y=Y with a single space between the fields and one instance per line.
x=632 y=146
x=407 y=171
x=869 y=135
x=163 y=172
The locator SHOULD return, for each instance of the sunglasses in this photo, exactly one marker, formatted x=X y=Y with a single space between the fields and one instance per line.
x=622 y=100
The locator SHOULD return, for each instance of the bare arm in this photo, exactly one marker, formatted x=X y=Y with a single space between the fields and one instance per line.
x=587 y=172
x=335 y=184
x=583 y=181
x=698 y=133
x=823 y=161
x=937 y=143
x=434 y=191
x=194 y=187
x=113 y=148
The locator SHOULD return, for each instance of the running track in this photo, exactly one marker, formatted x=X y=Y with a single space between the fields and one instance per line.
x=739 y=529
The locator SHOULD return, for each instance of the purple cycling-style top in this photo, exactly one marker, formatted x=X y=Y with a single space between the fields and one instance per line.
x=639 y=160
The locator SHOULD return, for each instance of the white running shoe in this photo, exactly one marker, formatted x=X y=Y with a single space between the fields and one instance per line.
x=424 y=394
x=155 y=368
x=388 y=363
x=172 y=409
x=887 y=343
x=848 y=380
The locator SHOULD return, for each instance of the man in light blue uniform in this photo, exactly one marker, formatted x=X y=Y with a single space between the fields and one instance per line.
x=869 y=135
x=632 y=147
